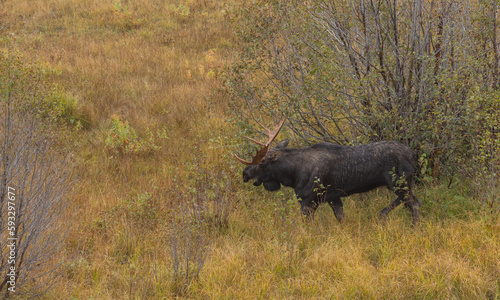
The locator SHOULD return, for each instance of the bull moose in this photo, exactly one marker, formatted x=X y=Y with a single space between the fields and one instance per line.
x=326 y=172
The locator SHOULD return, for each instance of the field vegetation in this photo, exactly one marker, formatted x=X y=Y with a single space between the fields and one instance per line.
x=144 y=96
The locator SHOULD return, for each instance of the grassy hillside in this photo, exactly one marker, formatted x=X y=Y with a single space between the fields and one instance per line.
x=138 y=82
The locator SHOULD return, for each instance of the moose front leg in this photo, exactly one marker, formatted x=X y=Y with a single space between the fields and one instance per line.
x=337 y=206
x=307 y=206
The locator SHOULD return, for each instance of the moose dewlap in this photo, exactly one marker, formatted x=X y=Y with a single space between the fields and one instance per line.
x=336 y=170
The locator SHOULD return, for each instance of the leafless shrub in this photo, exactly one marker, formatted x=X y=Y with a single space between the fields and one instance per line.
x=286 y=219
x=188 y=247
x=34 y=180
x=209 y=202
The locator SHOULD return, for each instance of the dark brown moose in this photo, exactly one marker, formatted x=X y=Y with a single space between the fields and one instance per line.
x=325 y=172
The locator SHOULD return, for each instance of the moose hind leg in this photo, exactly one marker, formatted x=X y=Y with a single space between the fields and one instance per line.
x=416 y=200
x=401 y=184
x=413 y=204
x=393 y=205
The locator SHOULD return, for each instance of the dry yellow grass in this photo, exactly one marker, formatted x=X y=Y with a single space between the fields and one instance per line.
x=154 y=65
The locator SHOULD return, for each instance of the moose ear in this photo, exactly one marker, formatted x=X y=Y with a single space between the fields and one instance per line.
x=274 y=155
x=283 y=143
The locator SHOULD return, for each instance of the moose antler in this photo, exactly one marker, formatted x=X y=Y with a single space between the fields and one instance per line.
x=261 y=154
